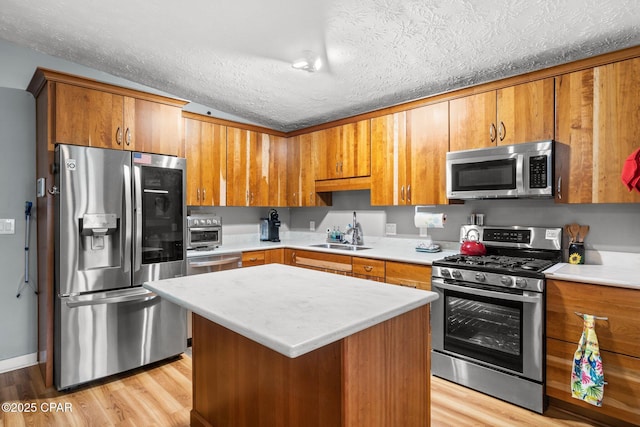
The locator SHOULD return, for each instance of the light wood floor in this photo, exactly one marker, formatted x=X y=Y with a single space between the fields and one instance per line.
x=161 y=396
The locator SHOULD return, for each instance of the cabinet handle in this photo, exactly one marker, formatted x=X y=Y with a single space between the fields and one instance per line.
x=559 y=188
x=251 y=199
x=311 y=197
x=198 y=194
x=492 y=132
x=119 y=135
x=253 y=259
x=128 y=136
x=337 y=167
x=340 y=166
x=204 y=194
x=409 y=193
x=246 y=198
x=368 y=268
x=293 y=257
x=402 y=193
x=502 y=131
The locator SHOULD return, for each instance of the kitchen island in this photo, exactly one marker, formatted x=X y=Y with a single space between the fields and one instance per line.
x=280 y=345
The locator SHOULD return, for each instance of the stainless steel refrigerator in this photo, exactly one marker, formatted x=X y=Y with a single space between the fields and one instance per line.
x=120 y=221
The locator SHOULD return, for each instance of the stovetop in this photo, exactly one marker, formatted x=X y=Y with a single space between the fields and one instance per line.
x=498 y=263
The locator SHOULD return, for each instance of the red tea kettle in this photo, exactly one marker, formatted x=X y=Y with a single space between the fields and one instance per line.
x=472 y=247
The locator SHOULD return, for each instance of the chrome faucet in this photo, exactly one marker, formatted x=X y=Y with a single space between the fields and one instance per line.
x=356 y=232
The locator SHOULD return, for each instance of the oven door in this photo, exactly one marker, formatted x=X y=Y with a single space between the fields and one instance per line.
x=501 y=330
x=204 y=237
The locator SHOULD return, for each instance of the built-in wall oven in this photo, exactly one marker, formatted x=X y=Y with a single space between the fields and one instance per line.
x=488 y=324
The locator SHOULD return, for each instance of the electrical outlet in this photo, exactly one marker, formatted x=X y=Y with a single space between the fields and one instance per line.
x=391 y=229
x=7 y=226
x=312 y=226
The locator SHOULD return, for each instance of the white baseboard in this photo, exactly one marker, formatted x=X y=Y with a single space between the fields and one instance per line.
x=19 y=362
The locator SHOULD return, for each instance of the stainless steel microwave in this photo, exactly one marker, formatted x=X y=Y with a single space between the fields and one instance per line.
x=509 y=171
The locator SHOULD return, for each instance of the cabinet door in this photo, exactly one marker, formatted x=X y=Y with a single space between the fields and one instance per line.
x=389 y=159
x=597 y=127
x=213 y=165
x=303 y=158
x=525 y=112
x=622 y=374
x=239 y=143
x=472 y=121
x=192 y=139
x=616 y=128
x=277 y=171
x=344 y=151
x=153 y=127
x=340 y=264
x=88 y=117
x=427 y=146
x=412 y=275
x=574 y=137
x=294 y=180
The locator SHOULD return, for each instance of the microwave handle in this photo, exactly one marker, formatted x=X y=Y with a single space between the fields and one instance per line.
x=559 y=188
x=439 y=283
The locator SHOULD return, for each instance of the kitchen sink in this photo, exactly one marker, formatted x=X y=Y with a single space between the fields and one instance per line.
x=339 y=246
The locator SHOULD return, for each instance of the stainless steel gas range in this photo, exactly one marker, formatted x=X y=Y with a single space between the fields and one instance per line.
x=488 y=325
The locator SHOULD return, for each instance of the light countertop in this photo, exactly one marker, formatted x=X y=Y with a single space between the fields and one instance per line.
x=619 y=276
x=609 y=268
x=288 y=309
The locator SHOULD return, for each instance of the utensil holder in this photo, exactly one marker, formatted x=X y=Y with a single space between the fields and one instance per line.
x=576 y=253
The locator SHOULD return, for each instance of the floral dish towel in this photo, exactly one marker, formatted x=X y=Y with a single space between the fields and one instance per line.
x=587 y=377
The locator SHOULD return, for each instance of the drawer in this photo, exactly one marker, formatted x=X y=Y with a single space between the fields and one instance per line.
x=620 y=333
x=368 y=267
x=622 y=373
x=253 y=258
x=406 y=274
x=319 y=260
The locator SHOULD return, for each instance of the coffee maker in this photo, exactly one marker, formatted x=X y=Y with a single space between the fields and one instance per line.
x=270 y=227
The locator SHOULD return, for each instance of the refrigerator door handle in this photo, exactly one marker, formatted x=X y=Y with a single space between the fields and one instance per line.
x=139 y=295
x=128 y=213
x=137 y=228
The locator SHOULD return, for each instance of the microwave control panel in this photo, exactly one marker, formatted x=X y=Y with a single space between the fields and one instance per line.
x=538 y=172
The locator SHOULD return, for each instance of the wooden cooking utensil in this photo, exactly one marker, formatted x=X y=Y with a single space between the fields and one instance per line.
x=574 y=229
x=567 y=229
x=584 y=230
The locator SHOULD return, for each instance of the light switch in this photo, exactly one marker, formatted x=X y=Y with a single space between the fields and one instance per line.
x=7 y=226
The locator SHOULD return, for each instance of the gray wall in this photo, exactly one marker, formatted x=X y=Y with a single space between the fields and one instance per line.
x=17 y=171
x=614 y=227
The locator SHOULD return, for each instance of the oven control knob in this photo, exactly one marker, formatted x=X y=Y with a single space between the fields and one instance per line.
x=480 y=277
x=445 y=272
x=506 y=280
x=521 y=283
x=456 y=274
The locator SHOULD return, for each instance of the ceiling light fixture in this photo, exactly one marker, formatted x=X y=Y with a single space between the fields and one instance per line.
x=308 y=62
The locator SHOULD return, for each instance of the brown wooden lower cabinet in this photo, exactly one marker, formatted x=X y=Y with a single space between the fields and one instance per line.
x=406 y=274
x=267 y=256
x=322 y=261
x=622 y=374
x=367 y=268
x=374 y=378
x=619 y=342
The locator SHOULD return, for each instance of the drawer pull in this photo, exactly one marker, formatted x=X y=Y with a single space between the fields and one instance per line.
x=595 y=317
x=368 y=268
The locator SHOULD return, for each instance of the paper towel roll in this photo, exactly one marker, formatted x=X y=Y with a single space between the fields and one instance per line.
x=429 y=220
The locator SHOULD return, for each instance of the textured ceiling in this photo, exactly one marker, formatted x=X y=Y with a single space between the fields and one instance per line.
x=236 y=56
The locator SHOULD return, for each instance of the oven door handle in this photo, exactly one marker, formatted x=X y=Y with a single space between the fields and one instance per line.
x=536 y=298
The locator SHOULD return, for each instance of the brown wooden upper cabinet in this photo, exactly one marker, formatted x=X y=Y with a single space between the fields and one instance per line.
x=97 y=118
x=343 y=151
x=512 y=115
x=256 y=168
x=206 y=153
x=408 y=153
x=301 y=173
x=597 y=127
